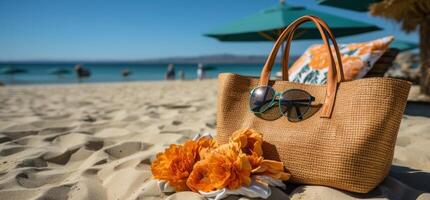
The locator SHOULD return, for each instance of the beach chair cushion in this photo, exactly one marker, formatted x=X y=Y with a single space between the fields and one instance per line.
x=357 y=59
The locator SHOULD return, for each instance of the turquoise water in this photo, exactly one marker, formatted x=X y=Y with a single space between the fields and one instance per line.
x=39 y=73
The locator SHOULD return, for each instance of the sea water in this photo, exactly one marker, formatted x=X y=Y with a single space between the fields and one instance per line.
x=39 y=73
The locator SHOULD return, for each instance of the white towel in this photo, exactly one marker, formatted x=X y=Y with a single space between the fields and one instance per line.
x=259 y=188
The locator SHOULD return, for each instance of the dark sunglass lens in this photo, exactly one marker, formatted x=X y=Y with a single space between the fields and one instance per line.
x=261 y=99
x=295 y=104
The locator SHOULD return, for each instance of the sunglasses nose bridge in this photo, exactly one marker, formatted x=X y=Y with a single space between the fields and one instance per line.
x=277 y=97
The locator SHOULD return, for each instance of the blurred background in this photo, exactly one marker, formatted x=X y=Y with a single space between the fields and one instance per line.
x=63 y=41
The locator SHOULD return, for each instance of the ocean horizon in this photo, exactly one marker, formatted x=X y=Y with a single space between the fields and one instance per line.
x=41 y=73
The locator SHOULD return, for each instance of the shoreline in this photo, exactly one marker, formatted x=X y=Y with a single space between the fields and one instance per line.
x=104 y=83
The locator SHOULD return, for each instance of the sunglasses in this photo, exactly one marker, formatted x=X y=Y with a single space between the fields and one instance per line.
x=292 y=103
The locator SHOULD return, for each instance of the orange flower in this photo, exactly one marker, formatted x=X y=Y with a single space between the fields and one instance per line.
x=226 y=167
x=203 y=146
x=249 y=141
x=254 y=160
x=176 y=163
x=202 y=165
x=273 y=169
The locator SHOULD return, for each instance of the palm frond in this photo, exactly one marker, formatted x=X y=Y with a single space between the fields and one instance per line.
x=409 y=13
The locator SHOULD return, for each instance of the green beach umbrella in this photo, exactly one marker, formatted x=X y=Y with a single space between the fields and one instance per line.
x=267 y=25
x=403 y=45
x=355 y=5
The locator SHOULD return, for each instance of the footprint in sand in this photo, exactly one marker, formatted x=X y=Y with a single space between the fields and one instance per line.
x=176 y=122
x=175 y=106
x=60 y=192
x=11 y=150
x=13 y=135
x=84 y=103
x=100 y=162
x=61 y=159
x=153 y=114
x=145 y=164
x=90 y=172
x=88 y=118
x=33 y=178
x=94 y=145
x=32 y=162
x=4 y=138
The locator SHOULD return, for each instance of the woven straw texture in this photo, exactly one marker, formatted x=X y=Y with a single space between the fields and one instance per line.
x=352 y=150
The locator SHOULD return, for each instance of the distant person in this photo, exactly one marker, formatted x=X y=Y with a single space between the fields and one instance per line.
x=170 y=74
x=125 y=73
x=201 y=72
x=82 y=72
x=181 y=74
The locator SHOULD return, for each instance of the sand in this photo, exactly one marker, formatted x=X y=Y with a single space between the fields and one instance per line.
x=97 y=141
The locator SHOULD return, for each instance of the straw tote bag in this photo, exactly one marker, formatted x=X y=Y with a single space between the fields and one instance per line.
x=347 y=143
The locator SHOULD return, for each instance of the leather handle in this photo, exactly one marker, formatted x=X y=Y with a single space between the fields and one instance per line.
x=332 y=73
x=285 y=59
x=265 y=73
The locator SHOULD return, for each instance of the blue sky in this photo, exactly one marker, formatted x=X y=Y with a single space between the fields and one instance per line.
x=140 y=29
